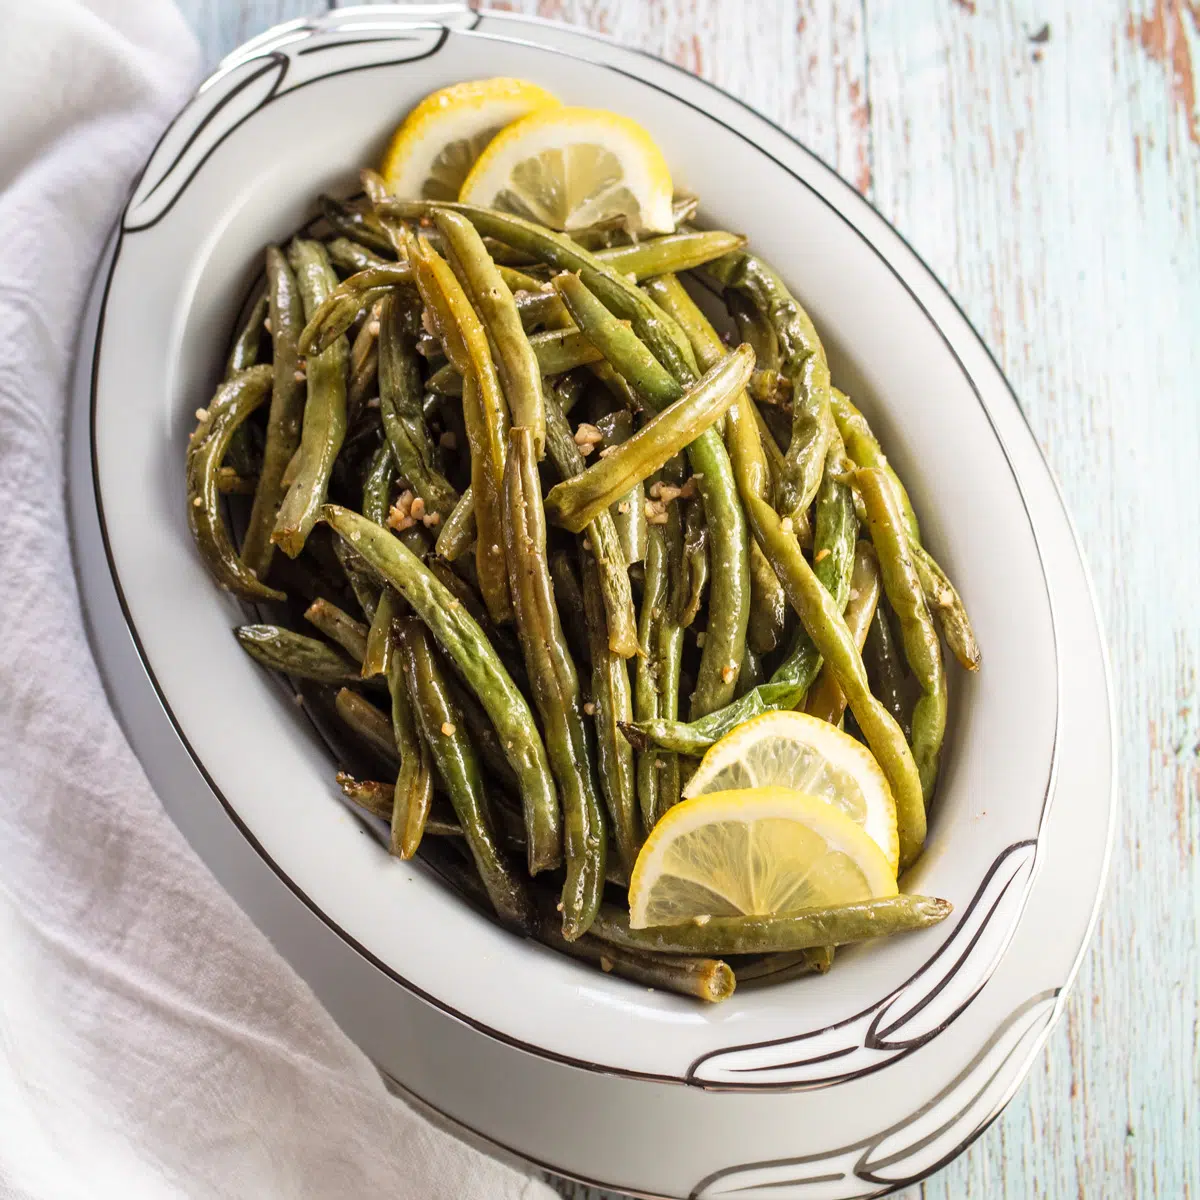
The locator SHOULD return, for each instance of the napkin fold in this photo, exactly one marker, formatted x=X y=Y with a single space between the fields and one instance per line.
x=152 y=1043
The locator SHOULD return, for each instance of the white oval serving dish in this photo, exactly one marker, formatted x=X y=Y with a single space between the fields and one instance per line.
x=835 y=1087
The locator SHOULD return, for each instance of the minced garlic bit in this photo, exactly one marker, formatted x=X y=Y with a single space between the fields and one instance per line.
x=786 y=525
x=373 y=329
x=946 y=598
x=609 y=450
x=623 y=507
x=448 y=728
x=701 y=919
x=416 y=509
x=665 y=492
x=729 y=673
x=400 y=516
x=267 y=324
x=656 y=512
x=700 y=638
x=822 y=554
x=373 y=402
x=197 y=502
x=299 y=375
x=427 y=322
x=429 y=520
x=495 y=548
x=356 y=536
x=448 y=441
x=587 y=438
x=854 y=593
x=587 y=544
x=202 y=414
x=690 y=488
x=605 y=964
x=590 y=709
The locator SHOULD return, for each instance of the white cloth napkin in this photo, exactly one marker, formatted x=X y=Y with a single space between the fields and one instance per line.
x=152 y=1043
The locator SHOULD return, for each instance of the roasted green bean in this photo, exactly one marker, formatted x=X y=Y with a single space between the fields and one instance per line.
x=339 y=627
x=921 y=646
x=728 y=546
x=468 y=648
x=575 y=502
x=324 y=424
x=826 y=699
x=802 y=360
x=612 y=704
x=235 y=400
x=774 y=934
x=403 y=416
x=441 y=726
x=296 y=655
x=520 y=375
x=603 y=542
x=554 y=683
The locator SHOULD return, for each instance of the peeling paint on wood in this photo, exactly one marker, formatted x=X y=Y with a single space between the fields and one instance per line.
x=1053 y=183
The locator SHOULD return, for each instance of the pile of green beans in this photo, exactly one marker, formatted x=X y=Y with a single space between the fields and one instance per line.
x=530 y=539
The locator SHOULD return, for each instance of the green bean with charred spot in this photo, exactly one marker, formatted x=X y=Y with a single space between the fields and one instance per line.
x=554 y=683
x=468 y=648
x=442 y=730
x=324 y=425
x=234 y=402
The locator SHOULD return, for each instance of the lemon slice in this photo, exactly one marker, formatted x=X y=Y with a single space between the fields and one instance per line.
x=439 y=141
x=757 y=851
x=570 y=167
x=792 y=749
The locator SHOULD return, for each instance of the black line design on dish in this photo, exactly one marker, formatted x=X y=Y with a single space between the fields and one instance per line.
x=230 y=811
x=866 y=1165
x=864 y=1034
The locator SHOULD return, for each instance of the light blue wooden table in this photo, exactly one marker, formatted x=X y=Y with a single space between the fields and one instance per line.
x=1043 y=156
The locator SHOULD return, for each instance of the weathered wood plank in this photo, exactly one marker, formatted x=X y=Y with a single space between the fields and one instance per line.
x=1044 y=157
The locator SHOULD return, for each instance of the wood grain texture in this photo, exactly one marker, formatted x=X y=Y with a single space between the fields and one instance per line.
x=1043 y=156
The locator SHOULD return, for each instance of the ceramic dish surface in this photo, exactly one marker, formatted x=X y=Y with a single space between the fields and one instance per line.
x=837 y=1086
